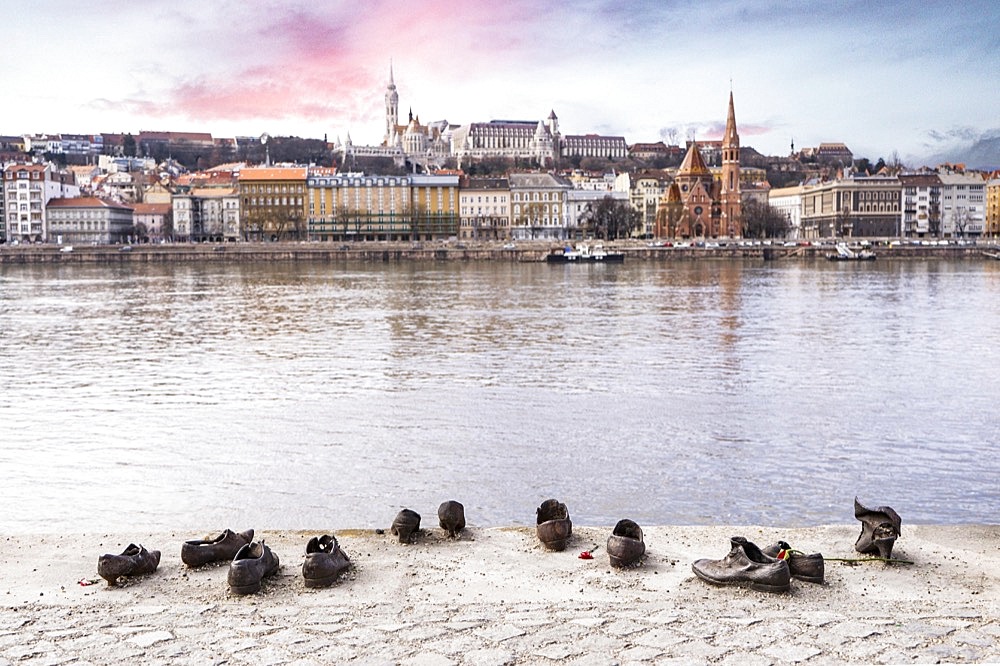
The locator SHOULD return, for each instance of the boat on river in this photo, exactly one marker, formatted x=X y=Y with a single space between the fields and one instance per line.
x=584 y=253
x=844 y=253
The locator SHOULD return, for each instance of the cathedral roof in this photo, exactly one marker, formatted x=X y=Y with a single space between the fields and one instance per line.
x=693 y=163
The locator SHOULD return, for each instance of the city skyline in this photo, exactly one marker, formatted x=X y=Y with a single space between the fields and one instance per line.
x=913 y=79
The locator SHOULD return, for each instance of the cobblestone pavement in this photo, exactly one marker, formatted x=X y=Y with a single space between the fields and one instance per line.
x=495 y=598
x=521 y=633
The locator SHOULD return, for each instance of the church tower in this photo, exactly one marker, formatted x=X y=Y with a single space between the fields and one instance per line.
x=391 y=108
x=732 y=207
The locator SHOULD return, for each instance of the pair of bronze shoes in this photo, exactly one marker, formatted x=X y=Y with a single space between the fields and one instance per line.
x=880 y=527
x=451 y=517
x=223 y=548
x=324 y=562
x=134 y=561
x=748 y=566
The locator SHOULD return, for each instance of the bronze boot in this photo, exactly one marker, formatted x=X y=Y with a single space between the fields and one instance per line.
x=625 y=545
x=553 y=525
x=406 y=525
x=222 y=548
x=451 y=517
x=324 y=562
x=745 y=565
x=880 y=527
x=134 y=561
x=251 y=564
x=810 y=568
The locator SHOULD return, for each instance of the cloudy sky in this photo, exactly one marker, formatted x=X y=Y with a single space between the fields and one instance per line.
x=912 y=77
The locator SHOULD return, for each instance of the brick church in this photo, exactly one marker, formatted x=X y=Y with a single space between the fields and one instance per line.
x=699 y=205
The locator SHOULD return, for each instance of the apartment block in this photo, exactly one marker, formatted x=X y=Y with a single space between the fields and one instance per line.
x=28 y=188
x=89 y=220
x=369 y=207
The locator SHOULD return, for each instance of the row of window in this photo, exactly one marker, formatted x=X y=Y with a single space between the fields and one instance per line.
x=273 y=201
x=272 y=189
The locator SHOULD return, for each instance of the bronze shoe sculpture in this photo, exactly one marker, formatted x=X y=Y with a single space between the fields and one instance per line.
x=134 y=561
x=324 y=562
x=406 y=525
x=810 y=568
x=625 y=545
x=747 y=566
x=251 y=564
x=880 y=527
x=553 y=525
x=223 y=548
x=451 y=517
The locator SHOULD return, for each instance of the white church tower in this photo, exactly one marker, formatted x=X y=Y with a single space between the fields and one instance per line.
x=391 y=109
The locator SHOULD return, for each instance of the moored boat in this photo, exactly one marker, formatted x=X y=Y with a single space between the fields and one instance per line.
x=584 y=253
x=845 y=253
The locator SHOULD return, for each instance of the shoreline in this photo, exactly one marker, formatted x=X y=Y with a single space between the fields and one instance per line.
x=383 y=251
x=495 y=596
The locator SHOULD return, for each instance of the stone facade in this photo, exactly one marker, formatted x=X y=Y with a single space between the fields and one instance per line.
x=89 y=220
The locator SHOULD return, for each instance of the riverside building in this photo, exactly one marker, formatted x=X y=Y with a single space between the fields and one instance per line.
x=369 y=207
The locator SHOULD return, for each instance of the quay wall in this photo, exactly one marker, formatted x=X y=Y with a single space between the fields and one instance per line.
x=388 y=252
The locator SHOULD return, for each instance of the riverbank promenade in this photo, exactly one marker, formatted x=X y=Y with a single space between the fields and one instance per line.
x=495 y=596
x=523 y=251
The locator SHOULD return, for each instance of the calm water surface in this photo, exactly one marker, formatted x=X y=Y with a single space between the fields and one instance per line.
x=322 y=396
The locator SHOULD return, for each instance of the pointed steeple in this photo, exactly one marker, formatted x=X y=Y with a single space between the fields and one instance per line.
x=391 y=106
x=731 y=138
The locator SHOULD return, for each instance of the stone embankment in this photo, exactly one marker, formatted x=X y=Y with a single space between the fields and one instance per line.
x=387 y=252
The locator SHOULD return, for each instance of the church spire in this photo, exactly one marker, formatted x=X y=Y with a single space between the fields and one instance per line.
x=391 y=107
x=731 y=136
x=732 y=207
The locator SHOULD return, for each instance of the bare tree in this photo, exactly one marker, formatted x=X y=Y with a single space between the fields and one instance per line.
x=761 y=220
x=961 y=218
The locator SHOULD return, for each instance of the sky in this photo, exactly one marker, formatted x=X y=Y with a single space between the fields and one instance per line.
x=911 y=78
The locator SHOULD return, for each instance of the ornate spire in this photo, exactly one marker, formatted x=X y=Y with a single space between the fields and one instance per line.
x=731 y=138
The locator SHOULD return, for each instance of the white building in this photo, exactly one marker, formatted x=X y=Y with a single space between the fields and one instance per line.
x=921 y=209
x=788 y=201
x=89 y=220
x=207 y=214
x=963 y=204
x=538 y=206
x=28 y=188
x=581 y=204
x=484 y=208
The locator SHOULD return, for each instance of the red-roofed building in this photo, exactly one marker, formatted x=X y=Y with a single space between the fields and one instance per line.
x=89 y=220
x=153 y=221
x=273 y=203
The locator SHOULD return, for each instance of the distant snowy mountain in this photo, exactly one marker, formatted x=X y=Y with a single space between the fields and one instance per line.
x=982 y=153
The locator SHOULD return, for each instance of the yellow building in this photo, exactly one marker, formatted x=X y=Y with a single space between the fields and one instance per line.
x=364 y=207
x=273 y=203
x=993 y=207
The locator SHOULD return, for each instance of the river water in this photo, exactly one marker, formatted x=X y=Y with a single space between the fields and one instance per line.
x=199 y=396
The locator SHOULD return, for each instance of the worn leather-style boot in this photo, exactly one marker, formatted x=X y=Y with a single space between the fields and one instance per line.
x=810 y=568
x=625 y=545
x=406 y=525
x=746 y=566
x=553 y=525
x=134 y=561
x=451 y=517
x=880 y=527
x=324 y=562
